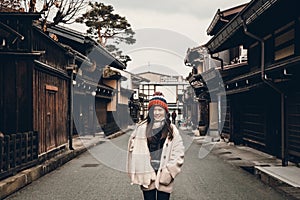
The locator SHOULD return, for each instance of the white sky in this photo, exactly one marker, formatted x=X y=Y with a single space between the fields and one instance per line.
x=165 y=29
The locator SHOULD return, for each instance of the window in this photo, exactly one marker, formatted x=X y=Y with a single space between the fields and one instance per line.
x=284 y=42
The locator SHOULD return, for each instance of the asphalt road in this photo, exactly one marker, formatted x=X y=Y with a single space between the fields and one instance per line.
x=99 y=174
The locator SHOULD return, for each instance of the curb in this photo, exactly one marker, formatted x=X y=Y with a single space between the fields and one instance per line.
x=283 y=187
x=117 y=134
x=292 y=192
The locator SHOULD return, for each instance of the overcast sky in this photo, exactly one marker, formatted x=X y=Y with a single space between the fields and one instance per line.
x=165 y=29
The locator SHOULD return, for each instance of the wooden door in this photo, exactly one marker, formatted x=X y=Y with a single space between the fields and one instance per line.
x=51 y=118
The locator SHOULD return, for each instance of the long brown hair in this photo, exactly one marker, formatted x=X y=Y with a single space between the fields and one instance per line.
x=167 y=129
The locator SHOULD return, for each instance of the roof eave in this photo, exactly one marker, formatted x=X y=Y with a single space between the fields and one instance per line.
x=248 y=15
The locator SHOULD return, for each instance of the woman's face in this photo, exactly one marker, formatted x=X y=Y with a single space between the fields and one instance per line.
x=158 y=113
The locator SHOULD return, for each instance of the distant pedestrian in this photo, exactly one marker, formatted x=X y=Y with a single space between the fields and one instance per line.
x=174 y=115
x=155 y=152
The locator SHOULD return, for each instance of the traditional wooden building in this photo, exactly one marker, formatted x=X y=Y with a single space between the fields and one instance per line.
x=96 y=81
x=35 y=82
x=262 y=93
x=34 y=93
x=207 y=86
x=190 y=108
x=44 y=76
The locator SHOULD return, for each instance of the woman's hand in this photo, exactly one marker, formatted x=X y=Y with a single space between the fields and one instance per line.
x=165 y=177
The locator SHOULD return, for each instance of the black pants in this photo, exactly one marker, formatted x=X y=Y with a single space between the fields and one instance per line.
x=156 y=195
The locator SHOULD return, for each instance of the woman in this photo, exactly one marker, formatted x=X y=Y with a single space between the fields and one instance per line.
x=155 y=152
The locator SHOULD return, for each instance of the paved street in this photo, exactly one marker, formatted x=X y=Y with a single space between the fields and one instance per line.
x=86 y=177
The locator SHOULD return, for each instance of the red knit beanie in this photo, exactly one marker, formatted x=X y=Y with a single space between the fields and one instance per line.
x=158 y=99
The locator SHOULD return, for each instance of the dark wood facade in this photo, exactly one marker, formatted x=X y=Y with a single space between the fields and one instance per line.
x=51 y=87
x=263 y=97
x=16 y=67
x=91 y=92
x=16 y=94
x=51 y=109
x=35 y=84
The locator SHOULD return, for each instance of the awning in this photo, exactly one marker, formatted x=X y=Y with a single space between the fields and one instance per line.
x=221 y=18
x=85 y=44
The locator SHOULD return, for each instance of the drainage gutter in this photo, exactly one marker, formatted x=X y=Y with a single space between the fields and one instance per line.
x=219 y=59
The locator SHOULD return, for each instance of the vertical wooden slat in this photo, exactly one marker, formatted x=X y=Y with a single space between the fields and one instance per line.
x=23 y=144
x=6 y=152
x=26 y=147
x=293 y=126
x=31 y=145
x=36 y=144
x=13 y=150
x=19 y=149
x=1 y=153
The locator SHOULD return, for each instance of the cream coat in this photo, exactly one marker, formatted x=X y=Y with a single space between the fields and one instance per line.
x=138 y=162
